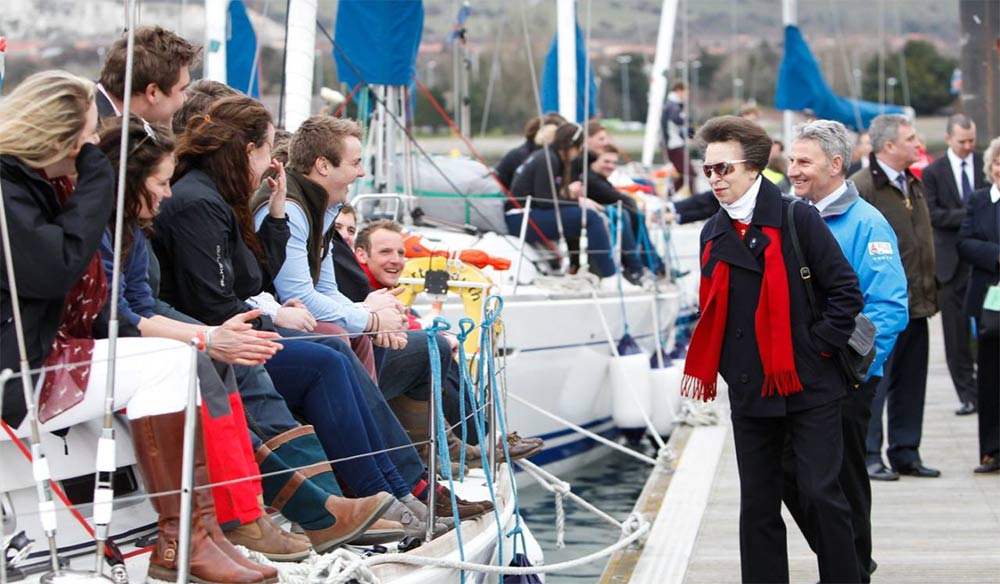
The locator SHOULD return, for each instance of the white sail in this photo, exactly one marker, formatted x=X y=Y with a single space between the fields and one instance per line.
x=216 y=35
x=566 y=30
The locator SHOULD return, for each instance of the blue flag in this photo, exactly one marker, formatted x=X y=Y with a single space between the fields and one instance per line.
x=801 y=86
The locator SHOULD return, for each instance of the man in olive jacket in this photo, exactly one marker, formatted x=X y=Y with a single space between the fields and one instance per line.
x=893 y=190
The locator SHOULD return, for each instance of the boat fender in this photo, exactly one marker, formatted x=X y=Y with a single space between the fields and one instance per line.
x=665 y=389
x=630 y=389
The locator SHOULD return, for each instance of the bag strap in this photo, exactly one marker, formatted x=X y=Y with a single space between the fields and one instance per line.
x=804 y=272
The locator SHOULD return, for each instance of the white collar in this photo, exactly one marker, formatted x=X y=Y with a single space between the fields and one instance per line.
x=994 y=194
x=742 y=208
x=890 y=173
x=826 y=201
x=111 y=100
x=956 y=162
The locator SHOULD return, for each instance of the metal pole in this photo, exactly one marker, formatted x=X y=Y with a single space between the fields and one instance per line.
x=789 y=16
x=5 y=376
x=187 y=470
x=431 y=465
x=105 y=464
x=584 y=259
x=40 y=465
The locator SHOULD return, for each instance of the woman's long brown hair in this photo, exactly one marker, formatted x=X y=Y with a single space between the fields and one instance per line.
x=145 y=153
x=216 y=144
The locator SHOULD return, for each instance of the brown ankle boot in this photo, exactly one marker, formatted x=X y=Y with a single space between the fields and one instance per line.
x=382 y=531
x=355 y=517
x=266 y=537
x=158 y=442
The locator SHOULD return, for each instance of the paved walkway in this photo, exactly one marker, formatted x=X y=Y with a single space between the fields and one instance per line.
x=925 y=530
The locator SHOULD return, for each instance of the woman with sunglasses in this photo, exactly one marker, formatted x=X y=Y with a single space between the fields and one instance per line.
x=48 y=131
x=212 y=259
x=784 y=380
x=533 y=179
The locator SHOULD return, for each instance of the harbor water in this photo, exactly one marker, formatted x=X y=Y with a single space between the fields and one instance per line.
x=612 y=483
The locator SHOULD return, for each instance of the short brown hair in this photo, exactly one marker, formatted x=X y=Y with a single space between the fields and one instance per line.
x=679 y=86
x=363 y=239
x=320 y=137
x=611 y=149
x=200 y=96
x=348 y=209
x=159 y=57
x=751 y=137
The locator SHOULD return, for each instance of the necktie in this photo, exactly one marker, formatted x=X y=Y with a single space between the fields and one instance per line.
x=966 y=185
x=901 y=182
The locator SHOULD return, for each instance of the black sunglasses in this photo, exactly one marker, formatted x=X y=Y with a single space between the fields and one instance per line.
x=719 y=168
x=150 y=135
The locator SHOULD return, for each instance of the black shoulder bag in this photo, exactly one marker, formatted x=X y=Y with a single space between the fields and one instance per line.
x=856 y=358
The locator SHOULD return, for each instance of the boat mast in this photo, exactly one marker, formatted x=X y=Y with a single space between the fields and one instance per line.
x=216 y=19
x=299 y=65
x=566 y=31
x=658 y=83
x=980 y=21
x=789 y=17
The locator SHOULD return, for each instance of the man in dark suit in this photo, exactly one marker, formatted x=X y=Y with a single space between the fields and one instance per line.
x=948 y=182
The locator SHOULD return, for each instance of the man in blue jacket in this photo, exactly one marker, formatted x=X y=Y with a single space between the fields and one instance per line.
x=819 y=159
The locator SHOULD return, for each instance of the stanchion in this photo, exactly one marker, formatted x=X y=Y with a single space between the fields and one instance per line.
x=187 y=470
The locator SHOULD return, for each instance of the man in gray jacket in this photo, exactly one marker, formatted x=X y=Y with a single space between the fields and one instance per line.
x=892 y=189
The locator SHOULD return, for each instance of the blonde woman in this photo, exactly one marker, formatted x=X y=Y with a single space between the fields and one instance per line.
x=48 y=128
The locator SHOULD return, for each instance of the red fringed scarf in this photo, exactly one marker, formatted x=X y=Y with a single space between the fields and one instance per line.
x=772 y=324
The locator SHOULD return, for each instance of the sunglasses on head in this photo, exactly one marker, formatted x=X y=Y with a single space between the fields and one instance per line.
x=719 y=168
x=150 y=135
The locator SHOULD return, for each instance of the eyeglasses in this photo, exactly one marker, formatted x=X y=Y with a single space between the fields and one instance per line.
x=719 y=168
x=150 y=135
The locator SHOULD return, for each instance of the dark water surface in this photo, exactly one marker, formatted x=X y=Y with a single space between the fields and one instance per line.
x=612 y=484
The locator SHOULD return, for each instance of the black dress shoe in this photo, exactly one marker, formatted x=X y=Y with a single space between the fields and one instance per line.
x=880 y=472
x=990 y=464
x=966 y=409
x=917 y=469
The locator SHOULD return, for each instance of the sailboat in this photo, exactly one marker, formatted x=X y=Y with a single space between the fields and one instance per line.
x=556 y=344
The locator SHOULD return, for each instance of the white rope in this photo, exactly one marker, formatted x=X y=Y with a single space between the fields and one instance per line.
x=696 y=413
x=585 y=432
x=666 y=458
x=560 y=488
x=579 y=282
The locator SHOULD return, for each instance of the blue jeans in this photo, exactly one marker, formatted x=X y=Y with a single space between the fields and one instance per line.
x=408 y=371
x=318 y=385
x=406 y=459
x=598 y=241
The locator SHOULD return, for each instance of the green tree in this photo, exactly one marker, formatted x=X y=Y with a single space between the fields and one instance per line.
x=928 y=74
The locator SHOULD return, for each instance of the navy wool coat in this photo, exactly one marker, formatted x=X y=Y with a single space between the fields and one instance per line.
x=814 y=343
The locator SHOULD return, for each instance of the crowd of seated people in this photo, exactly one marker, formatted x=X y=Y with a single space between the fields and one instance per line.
x=252 y=284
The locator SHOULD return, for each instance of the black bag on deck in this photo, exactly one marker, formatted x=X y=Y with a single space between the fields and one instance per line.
x=856 y=358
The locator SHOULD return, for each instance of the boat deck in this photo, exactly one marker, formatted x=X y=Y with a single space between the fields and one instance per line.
x=924 y=530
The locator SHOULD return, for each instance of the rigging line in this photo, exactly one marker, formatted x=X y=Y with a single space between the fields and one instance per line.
x=903 y=78
x=409 y=135
x=256 y=65
x=852 y=82
x=284 y=69
x=494 y=74
x=451 y=124
x=563 y=247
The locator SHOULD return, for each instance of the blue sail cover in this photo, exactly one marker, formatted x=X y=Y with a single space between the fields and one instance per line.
x=550 y=79
x=377 y=41
x=241 y=52
x=801 y=86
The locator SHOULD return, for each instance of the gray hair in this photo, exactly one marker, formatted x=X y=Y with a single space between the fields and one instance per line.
x=885 y=128
x=832 y=138
x=961 y=120
x=989 y=157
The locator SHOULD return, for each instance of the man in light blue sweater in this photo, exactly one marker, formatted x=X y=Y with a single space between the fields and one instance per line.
x=819 y=159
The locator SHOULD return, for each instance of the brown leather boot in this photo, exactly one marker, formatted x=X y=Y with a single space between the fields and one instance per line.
x=356 y=518
x=205 y=506
x=158 y=442
x=382 y=531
